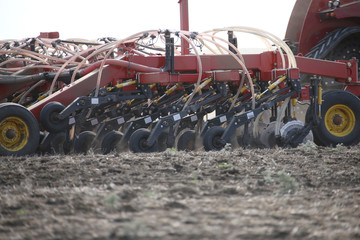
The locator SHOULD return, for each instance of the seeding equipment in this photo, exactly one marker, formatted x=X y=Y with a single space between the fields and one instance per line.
x=161 y=89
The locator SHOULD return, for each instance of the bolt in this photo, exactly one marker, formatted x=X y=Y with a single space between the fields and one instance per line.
x=349 y=79
x=348 y=64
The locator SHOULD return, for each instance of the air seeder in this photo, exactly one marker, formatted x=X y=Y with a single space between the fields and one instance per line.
x=161 y=89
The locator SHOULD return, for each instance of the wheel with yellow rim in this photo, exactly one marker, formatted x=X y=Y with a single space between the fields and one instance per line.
x=19 y=130
x=340 y=119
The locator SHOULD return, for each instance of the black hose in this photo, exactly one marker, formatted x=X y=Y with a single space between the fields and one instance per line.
x=48 y=76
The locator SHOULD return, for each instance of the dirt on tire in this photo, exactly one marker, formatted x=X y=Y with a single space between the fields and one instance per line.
x=305 y=193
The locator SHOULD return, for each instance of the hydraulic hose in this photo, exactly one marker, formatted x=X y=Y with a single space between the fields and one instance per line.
x=199 y=66
x=118 y=43
x=119 y=63
x=18 y=79
x=242 y=64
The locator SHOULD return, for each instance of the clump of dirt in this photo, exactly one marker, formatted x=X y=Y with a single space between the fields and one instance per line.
x=305 y=193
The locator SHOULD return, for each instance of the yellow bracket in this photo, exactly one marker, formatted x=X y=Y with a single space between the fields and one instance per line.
x=167 y=93
x=319 y=99
x=121 y=85
x=201 y=86
x=272 y=86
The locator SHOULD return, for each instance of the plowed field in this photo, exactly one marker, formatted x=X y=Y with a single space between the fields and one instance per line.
x=304 y=193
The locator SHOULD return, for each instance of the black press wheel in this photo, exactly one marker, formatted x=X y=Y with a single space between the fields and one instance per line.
x=212 y=139
x=49 y=117
x=110 y=140
x=84 y=142
x=163 y=141
x=340 y=122
x=137 y=142
x=186 y=140
x=19 y=130
x=53 y=143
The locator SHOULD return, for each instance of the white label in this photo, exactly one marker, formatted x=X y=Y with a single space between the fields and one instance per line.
x=223 y=119
x=71 y=121
x=194 y=118
x=250 y=115
x=94 y=101
x=94 y=122
x=120 y=121
x=148 y=120
x=177 y=117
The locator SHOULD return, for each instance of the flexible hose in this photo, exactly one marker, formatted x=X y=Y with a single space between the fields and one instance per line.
x=242 y=66
x=63 y=67
x=199 y=65
x=30 y=90
x=118 y=43
x=277 y=41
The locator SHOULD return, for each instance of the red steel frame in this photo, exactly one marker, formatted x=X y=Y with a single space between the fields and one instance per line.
x=221 y=67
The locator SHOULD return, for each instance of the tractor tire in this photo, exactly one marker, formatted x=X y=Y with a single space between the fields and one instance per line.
x=19 y=130
x=84 y=142
x=186 y=140
x=329 y=46
x=110 y=140
x=339 y=123
x=49 y=117
x=137 y=142
x=212 y=139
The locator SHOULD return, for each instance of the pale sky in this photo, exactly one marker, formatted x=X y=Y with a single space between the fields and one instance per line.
x=120 y=18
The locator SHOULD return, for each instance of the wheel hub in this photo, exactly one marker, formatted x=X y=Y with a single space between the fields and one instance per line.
x=340 y=120
x=14 y=133
x=11 y=133
x=337 y=120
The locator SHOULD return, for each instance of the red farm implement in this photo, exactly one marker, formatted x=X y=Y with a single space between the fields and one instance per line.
x=161 y=89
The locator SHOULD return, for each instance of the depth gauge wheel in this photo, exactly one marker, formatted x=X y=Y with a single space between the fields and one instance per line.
x=212 y=139
x=340 y=122
x=19 y=130
x=49 y=117
x=53 y=143
x=163 y=141
x=84 y=142
x=110 y=140
x=186 y=140
x=137 y=142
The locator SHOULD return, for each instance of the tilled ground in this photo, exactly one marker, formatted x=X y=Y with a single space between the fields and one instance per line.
x=304 y=193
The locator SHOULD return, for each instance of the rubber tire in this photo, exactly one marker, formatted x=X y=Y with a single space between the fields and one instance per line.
x=330 y=98
x=110 y=140
x=53 y=143
x=136 y=142
x=84 y=142
x=211 y=137
x=186 y=140
x=16 y=110
x=162 y=141
x=49 y=120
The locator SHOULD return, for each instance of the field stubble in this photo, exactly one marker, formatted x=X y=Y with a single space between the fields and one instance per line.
x=305 y=193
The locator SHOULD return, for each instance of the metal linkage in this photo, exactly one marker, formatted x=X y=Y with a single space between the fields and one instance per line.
x=168 y=123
